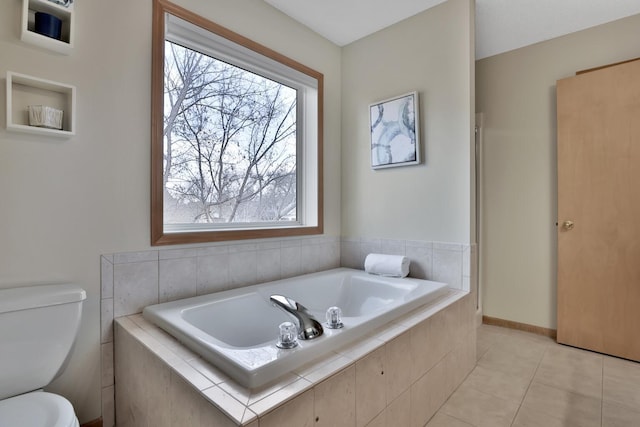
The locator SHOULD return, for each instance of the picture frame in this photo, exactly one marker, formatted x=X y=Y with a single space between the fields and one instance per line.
x=394 y=124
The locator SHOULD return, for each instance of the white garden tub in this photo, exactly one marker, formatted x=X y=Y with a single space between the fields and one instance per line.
x=237 y=330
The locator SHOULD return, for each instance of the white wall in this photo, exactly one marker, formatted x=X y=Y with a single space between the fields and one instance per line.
x=432 y=53
x=516 y=94
x=63 y=203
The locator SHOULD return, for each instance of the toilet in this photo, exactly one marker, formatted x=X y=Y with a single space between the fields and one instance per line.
x=38 y=327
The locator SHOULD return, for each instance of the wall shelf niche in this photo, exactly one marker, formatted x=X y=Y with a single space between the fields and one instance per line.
x=65 y=14
x=23 y=90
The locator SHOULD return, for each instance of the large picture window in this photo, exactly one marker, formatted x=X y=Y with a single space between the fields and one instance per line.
x=236 y=137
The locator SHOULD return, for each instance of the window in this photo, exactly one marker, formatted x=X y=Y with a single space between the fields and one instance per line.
x=236 y=136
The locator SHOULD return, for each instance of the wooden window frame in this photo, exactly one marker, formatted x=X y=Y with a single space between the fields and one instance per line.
x=158 y=235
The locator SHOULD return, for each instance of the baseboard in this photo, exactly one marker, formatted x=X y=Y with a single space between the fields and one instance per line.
x=94 y=423
x=551 y=333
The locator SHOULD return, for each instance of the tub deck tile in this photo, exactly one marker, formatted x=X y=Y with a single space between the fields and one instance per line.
x=390 y=331
x=251 y=396
x=163 y=338
x=281 y=396
x=212 y=373
x=228 y=404
x=245 y=406
x=360 y=348
x=191 y=375
x=420 y=314
x=325 y=370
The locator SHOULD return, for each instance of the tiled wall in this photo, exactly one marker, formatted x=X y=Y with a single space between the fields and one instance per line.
x=399 y=375
x=133 y=280
x=442 y=262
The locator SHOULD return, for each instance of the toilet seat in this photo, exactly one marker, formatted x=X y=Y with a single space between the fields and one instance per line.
x=37 y=409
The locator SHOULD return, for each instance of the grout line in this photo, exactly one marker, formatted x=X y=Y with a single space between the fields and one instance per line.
x=524 y=396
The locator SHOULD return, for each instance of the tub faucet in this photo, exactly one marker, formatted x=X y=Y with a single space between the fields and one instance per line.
x=308 y=328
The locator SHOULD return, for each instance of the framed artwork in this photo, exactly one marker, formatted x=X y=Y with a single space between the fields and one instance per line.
x=395 y=131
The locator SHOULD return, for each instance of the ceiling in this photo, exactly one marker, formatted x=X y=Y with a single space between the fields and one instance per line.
x=501 y=25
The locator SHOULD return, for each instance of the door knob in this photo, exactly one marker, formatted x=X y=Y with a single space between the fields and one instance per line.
x=568 y=225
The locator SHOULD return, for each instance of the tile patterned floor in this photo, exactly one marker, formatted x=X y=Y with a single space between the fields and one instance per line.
x=526 y=380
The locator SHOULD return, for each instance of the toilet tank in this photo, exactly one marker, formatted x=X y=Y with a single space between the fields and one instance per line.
x=38 y=326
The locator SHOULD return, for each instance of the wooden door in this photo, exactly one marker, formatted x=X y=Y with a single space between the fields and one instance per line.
x=599 y=210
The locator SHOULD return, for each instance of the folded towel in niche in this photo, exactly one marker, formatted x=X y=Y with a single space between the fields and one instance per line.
x=387 y=265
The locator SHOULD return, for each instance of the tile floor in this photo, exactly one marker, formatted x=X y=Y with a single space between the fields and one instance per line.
x=526 y=380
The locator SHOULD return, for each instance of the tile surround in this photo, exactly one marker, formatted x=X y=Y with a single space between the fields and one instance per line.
x=130 y=281
x=351 y=391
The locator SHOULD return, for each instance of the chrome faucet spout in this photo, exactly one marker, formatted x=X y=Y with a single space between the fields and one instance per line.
x=308 y=327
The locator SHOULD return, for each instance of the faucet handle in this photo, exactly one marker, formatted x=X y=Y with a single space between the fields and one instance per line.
x=334 y=318
x=287 y=338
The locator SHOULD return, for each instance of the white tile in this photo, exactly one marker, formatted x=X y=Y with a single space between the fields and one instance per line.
x=243 y=247
x=447 y=267
x=466 y=261
x=242 y=269
x=216 y=249
x=291 y=242
x=267 y=244
x=360 y=348
x=421 y=256
x=108 y=407
x=106 y=362
x=445 y=246
x=225 y=402
x=178 y=253
x=250 y=396
x=369 y=246
x=212 y=373
x=466 y=284
x=388 y=332
x=135 y=257
x=329 y=255
x=268 y=265
x=106 y=278
x=324 y=371
x=392 y=247
x=310 y=256
x=350 y=255
x=106 y=320
x=290 y=260
x=177 y=278
x=291 y=391
x=135 y=286
x=212 y=273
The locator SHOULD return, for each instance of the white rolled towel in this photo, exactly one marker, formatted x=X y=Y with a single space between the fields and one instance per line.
x=387 y=265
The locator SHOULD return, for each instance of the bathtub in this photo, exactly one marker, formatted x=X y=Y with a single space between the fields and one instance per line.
x=237 y=330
